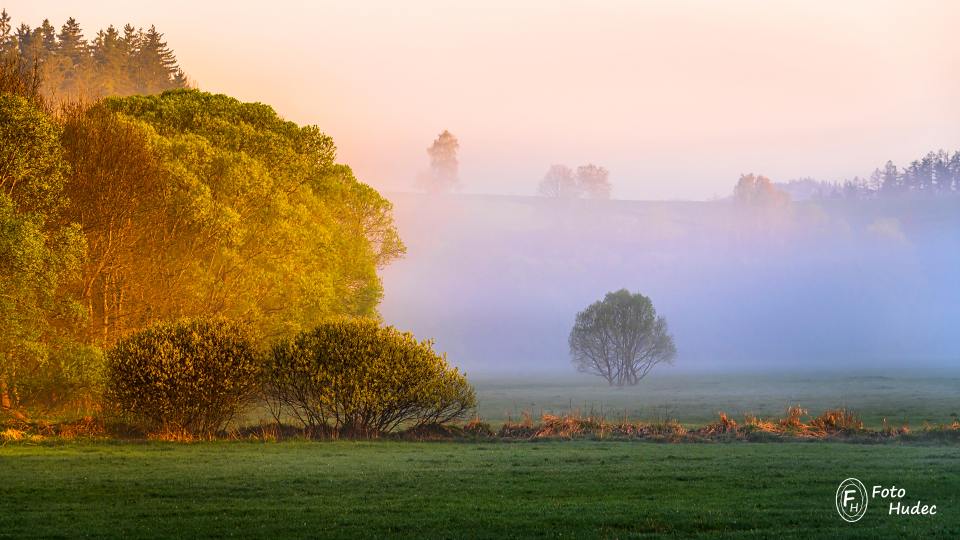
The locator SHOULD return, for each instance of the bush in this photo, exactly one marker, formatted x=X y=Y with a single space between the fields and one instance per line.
x=356 y=378
x=69 y=380
x=189 y=377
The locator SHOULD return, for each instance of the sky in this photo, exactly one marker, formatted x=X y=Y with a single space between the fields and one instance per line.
x=675 y=98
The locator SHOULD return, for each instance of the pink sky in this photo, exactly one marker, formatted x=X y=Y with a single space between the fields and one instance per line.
x=675 y=98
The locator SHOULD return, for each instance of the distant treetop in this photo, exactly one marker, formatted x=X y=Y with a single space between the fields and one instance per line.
x=444 y=175
x=561 y=182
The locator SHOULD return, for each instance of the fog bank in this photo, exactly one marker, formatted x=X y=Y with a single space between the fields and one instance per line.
x=817 y=285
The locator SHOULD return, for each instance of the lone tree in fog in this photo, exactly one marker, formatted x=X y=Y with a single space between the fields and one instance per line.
x=620 y=338
x=444 y=167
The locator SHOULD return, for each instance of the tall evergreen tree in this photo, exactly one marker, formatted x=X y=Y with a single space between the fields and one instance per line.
x=110 y=63
x=890 y=178
x=157 y=63
x=6 y=32
x=71 y=58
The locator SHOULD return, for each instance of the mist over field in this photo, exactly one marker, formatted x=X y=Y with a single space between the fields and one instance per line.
x=832 y=284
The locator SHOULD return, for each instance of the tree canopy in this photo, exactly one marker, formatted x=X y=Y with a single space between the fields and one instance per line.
x=620 y=338
x=211 y=206
x=38 y=252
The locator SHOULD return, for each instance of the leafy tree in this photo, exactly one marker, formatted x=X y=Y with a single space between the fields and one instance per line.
x=559 y=183
x=444 y=167
x=37 y=253
x=254 y=220
x=355 y=378
x=759 y=191
x=593 y=181
x=589 y=180
x=620 y=338
x=118 y=196
x=21 y=78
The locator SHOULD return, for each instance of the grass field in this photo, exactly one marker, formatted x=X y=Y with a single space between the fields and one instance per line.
x=912 y=398
x=449 y=490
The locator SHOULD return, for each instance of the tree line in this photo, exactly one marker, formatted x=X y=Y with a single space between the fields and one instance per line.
x=128 y=211
x=116 y=62
x=936 y=174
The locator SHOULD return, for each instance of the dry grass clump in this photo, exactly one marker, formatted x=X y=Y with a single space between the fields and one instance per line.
x=892 y=431
x=669 y=429
x=755 y=423
x=626 y=430
x=723 y=426
x=15 y=435
x=793 y=422
x=170 y=434
x=524 y=429
x=570 y=427
x=479 y=428
x=837 y=421
x=85 y=427
x=12 y=435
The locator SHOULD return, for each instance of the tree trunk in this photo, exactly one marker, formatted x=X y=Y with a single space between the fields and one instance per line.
x=5 y=401
x=106 y=312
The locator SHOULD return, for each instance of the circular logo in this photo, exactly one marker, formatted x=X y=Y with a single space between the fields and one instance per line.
x=851 y=500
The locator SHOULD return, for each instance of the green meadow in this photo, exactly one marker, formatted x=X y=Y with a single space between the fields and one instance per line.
x=467 y=490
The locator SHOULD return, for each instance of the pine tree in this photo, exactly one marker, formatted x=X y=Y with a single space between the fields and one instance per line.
x=890 y=178
x=46 y=36
x=110 y=64
x=180 y=79
x=6 y=36
x=71 y=58
x=158 y=65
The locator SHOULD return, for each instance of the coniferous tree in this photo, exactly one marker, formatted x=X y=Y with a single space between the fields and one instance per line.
x=110 y=63
x=7 y=39
x=71 y=59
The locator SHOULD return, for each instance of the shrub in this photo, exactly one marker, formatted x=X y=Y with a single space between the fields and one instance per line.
x=357 y=378
x=189 y=377
x=70 y=379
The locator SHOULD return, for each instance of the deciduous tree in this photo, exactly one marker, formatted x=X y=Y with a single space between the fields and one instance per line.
x=444 y=167
x=620 y=338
